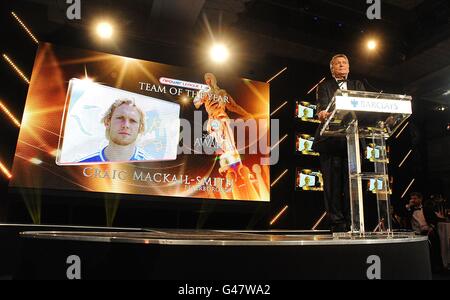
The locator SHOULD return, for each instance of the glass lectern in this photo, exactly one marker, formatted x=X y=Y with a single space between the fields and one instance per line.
x=374 y=117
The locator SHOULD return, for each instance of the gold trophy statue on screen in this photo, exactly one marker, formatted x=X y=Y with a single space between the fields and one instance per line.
x=217 y=101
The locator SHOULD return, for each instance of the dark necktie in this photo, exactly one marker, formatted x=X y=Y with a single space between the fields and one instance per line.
x=341 y=83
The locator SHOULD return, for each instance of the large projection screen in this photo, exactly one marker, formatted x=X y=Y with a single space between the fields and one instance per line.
x=103 y=123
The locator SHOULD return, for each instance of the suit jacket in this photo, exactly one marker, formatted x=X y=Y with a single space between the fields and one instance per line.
x=325 y=93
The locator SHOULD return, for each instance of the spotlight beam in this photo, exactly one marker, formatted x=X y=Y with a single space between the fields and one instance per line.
x=279 y=178
x=9 y=114
x=312 y=89
x=401 y=131
x=319 y=221
x=5 y=171
x=279 y=108
x=22 y=24
x=406 y=157
x=276 y=75
x=407 y=189
x=279 y=142
x=277 y=217
x=15 y=68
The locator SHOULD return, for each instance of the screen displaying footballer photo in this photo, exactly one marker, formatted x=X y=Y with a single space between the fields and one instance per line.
x=308 y=180
x=307 y=112
x=376 y=185
x=373 y=152
x=376 y=153
x=108 y=125
x=305 y=144
x=101 y=123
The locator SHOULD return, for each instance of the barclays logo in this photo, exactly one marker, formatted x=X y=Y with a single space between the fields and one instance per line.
x=374 y=105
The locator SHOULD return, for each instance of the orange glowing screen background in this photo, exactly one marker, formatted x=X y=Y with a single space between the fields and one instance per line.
x=193 y=174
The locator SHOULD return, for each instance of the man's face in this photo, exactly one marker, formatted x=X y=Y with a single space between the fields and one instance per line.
x=341 y=67
x=124 y=125
x=415 y=201
x=210 y=80
x=307 y=181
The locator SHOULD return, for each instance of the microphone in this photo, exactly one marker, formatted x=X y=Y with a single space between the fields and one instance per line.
x=374 y=89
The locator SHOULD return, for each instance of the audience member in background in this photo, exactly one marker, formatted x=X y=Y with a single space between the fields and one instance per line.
x=421 y=223
x=398 y=222
x=435 y=210
x=416 y=215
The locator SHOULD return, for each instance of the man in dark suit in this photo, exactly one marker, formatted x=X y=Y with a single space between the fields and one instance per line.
x=333 y=151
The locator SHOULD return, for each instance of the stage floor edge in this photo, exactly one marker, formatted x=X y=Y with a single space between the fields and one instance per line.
x=223 y=255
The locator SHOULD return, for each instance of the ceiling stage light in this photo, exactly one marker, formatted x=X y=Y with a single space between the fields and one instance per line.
x=220 y=53
x=372 y=45
x=87 y=79
x=105 y=30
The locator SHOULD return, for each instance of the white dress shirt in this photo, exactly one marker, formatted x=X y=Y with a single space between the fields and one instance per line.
x=343 y=85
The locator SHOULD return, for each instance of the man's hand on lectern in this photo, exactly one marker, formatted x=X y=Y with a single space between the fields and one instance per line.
x=323 y=116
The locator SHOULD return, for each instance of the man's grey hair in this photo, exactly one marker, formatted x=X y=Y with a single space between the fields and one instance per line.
x=336 y=57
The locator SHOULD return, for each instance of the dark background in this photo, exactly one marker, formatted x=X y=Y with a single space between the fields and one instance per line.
x=264 y=36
